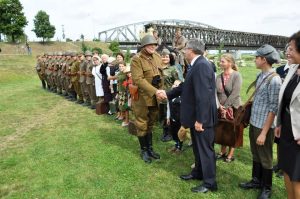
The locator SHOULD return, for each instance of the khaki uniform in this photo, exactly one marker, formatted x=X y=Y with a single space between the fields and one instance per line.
x=63 y=76
x=75 y=79
x=143 y=68
x=90 y=82
x=54 y=74
x=179 y=43
x=68 y=86
x=59 y=73
x=40 y=69
x=82 y=81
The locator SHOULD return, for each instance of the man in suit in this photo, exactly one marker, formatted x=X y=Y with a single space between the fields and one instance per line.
x=199 y=113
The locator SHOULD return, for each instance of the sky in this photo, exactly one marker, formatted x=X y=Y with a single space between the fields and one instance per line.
x=277 y=17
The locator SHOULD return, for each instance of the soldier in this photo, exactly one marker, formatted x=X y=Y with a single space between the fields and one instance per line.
x=63 y=73
x=58 y=78
x=90 y=80
x=82 y=78
x=146 y=75
x=48 y=71
x=75 y=78
x=68 y=85
x=40 y=69
x=178 y=44
x=54 y=72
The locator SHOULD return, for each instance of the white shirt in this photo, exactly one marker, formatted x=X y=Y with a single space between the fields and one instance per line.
x=193 y=61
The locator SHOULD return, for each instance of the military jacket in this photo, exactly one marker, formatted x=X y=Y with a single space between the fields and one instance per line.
x=143 y=68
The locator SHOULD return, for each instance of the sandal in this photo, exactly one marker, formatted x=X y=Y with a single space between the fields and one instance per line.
x=228 y=160
x=220 y=156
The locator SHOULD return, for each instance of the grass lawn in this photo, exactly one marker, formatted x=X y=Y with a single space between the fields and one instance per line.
x=53 y=148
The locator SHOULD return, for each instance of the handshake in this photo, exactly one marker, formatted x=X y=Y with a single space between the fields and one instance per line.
x=161 y=95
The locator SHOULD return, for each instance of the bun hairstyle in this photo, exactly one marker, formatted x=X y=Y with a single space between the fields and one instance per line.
x=230 y=58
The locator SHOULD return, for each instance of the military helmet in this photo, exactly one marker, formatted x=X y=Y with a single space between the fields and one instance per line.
x=88 y=53
x=148 y=39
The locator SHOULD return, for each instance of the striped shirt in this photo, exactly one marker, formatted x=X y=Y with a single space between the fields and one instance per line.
x=265 y=99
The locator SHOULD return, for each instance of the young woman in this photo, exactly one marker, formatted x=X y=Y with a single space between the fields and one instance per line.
x=228 y=84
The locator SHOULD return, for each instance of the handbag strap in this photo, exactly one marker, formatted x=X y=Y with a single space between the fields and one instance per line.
x=269 y=77
x=223 y=84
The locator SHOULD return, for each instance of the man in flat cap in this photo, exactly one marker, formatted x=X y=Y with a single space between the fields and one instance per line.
x=264 y=109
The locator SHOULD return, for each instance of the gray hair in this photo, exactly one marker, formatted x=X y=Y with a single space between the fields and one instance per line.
x=197 y=46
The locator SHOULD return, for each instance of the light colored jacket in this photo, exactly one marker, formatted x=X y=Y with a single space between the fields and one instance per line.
x=294 y=104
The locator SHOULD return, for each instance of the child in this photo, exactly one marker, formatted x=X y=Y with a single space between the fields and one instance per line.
x=173 y=120
x=122 y=95
x=263 y=111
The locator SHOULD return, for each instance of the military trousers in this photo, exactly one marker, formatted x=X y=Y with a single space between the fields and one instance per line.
x=145 y=118
x=92 y=93
x=84 y=90
x=262 y=154
x=77 y=90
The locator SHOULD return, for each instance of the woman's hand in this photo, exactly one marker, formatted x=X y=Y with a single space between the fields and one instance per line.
x=277 y=131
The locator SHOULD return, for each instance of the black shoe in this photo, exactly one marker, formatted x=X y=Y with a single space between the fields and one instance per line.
x=253 y=184
x=221 y=156
x=145 y=156
x=203 y=189
x=153 y=154
x=166 y=138
x=189 y=177
x=93 y=107
x=79 y=102
x=265 y=193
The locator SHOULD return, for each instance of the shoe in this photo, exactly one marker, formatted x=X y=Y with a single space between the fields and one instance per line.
x=229 y=160
x=124 y=124
x=166 y=138
x=190 y=143
x=220 y=156
x=252 y=184
x=93 y=107
x=79 y=102
x=279 y=174
x=189 y=177
x=203 y=189
x=275 y=168
x=172 y=150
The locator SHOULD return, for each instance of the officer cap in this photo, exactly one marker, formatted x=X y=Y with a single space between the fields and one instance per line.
x=269 y=52
x=73 y=54
x=59 y=53
x=88 y=53
x=148 y=39
x=165 y=52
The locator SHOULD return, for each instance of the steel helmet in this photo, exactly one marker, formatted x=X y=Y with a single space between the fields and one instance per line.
x=148 y=39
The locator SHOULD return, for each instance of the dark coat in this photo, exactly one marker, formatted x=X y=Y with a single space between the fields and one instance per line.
x=198 y=99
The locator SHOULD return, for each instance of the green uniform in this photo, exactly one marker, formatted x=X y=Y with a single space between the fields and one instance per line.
x=82 y=81
x=75 y=79
x=90 y=82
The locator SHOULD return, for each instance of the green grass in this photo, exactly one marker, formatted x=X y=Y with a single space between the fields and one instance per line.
x=52 y=148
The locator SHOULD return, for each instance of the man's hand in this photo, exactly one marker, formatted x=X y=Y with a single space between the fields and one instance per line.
x=198 y=127
x=161 y=94
x=261 y=139
x=168 y=122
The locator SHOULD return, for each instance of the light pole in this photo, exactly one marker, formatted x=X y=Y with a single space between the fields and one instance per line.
x=63 y=32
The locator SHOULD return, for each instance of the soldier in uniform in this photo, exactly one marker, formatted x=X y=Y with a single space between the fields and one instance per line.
x=54 y=72
x=40 y=69
x=90 y=80
x=58 y=78
x=63 y=73
x=146 y=75
x=178 y=44
x=82 y=79
x=48 y=71
x=75 y=78
x=68 y=85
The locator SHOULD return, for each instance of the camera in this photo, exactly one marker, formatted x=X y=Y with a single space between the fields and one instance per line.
x=156 y=81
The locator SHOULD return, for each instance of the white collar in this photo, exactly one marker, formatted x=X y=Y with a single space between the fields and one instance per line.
x=193 y=61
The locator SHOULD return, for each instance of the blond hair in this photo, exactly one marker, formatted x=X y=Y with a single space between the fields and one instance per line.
x=230 y=59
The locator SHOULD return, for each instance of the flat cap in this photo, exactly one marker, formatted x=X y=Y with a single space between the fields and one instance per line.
x=269 y=52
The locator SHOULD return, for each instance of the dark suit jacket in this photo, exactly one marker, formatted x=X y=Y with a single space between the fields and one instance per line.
x=198 y=100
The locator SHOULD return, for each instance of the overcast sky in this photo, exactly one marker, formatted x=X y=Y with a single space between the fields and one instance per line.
x=88 y=17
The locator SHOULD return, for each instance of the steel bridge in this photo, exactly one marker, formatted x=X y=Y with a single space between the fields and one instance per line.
x=129 y=35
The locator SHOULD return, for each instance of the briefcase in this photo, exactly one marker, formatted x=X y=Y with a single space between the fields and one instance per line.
x=102 y=108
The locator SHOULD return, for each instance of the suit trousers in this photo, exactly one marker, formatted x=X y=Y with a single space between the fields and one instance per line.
x=205 y=161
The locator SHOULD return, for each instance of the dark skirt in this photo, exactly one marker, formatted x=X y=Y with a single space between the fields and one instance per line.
x=289 y=150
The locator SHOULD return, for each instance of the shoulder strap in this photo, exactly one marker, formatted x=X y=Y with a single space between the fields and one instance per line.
x=268 y=77
x=223 y=84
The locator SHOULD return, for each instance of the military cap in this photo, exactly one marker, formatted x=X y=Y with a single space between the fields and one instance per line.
x=165 y=52
x=88 y=53
x=50 y=54
x=45 y=54
x=269 y=52
x=73 y=54
x=148 y=39
x=59 y=53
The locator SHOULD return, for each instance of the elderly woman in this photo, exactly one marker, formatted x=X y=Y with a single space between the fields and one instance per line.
x=98 y=76
x=288 y=126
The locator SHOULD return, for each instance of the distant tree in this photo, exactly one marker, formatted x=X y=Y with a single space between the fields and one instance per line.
x=68 y=40
x=82 y=37
x=114 y=47
x=42 y=26
x=12 y=19
x=127 y=55
x=99 y=50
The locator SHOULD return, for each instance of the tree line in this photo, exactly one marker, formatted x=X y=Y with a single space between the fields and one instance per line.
x=13 y=22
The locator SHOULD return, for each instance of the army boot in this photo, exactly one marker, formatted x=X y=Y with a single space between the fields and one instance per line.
x=266 y=184
x=151 y=152
x=144 y=152
x=255 y=183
